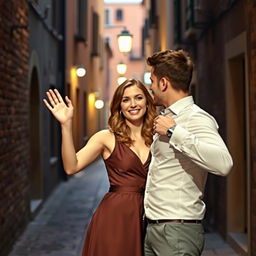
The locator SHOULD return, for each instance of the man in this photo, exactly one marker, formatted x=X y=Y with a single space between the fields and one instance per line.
x=186 y=147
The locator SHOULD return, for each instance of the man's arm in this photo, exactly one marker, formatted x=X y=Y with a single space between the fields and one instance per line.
x=201 y=142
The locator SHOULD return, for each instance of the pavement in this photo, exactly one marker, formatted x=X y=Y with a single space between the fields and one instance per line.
x=60 y=226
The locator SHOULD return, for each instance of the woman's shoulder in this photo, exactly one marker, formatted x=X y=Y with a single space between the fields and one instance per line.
x=105 y=135
x=107 y=139
x=106 y=132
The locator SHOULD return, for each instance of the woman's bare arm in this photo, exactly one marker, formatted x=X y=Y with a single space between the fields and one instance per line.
x=73 y=162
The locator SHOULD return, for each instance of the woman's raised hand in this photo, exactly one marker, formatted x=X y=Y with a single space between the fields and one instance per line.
x=57 y=106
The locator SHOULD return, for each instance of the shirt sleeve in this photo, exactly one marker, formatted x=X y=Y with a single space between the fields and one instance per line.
x=201 y=142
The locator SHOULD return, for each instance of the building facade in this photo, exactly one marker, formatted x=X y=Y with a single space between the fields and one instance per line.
x=32 y=50
x=42 y=44
x=220 y=37
x=46 y=70
x=119 y=17
x=85 y=48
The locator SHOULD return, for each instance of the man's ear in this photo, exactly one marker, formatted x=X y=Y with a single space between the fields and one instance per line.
x=164 y=83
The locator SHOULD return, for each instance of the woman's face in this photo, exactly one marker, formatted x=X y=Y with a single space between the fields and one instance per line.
x=133 y=104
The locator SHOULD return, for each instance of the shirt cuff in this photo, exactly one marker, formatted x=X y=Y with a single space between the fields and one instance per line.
x=178 y=137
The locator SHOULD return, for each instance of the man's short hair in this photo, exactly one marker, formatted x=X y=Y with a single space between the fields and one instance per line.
x=175 y=65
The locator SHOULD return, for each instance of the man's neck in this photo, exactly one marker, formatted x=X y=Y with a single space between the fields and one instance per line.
x=174 y=97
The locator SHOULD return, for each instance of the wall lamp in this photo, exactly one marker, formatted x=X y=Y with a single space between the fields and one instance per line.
x=121 y=68
x=99 y=104
x=146 y=78
x=121 y=79
x=80 y=71
x=94 y=100
x=124 y=41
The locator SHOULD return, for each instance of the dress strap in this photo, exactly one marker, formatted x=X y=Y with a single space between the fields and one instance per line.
x=126 y=189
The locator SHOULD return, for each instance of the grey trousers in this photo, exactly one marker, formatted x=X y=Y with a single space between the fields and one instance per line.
x=174 y=239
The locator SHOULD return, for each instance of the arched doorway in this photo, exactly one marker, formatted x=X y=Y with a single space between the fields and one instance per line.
x=35 y=174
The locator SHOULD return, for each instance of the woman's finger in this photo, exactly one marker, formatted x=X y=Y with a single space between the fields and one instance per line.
x=69 y=103
x=47 y=105
x=58 y=95
x=56 y=101
x=50 y=98
x=156 y=118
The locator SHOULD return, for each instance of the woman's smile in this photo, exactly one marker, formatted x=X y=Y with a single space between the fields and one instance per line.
x=134 y=111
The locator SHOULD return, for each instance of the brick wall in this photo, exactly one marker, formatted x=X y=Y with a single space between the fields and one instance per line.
x=14 y=114
x=251 y=23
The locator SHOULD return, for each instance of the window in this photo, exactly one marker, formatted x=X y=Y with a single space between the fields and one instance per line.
x=177 y=27
x=81 y=20
x=107 y=17
x=108 y=39
x=145 y=35
x=189 y=14
x=56 y=13
x=95 y=34
x=119 y=14
x=153 y=18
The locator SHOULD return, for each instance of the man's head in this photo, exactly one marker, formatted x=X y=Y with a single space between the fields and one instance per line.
x=171 y=69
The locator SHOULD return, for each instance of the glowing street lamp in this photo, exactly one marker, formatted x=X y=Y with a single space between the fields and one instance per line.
x=124 y=41
x=147 y=80
x=121 y=68
x=80 y=71
x=99 y=104
x=121 y=79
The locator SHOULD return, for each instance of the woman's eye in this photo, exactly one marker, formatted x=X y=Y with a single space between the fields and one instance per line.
x=124 y=100
x=139 y=98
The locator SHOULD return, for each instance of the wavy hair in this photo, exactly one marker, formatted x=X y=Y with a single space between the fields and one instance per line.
x=117 y=122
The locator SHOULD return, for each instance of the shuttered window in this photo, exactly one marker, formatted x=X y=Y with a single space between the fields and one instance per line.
x=189 y=14
x=81 y=22
x=177 y=18
x=95 y=34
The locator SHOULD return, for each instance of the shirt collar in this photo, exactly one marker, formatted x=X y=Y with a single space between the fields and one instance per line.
x=181 y=104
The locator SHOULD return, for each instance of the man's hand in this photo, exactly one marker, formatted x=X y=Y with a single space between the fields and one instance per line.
x=162 y=124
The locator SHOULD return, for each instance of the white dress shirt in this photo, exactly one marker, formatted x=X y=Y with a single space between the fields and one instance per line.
x=179 y=166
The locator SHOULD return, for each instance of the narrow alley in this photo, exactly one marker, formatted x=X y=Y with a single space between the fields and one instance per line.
x=86 y=49
x=59 y=228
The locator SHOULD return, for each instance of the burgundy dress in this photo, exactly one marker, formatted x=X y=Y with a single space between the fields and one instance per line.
x=116 y=226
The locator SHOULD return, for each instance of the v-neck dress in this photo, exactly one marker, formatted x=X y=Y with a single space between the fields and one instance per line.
x=116 y=227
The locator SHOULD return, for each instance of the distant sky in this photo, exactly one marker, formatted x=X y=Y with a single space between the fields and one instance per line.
x=122 y=1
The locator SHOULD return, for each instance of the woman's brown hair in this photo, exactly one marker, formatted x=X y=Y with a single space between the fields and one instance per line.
x=117 y=122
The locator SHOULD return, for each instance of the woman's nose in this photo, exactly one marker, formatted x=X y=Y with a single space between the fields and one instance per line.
x=133 y=102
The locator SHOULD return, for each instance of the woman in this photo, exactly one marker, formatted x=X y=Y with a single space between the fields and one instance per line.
x=116 y=226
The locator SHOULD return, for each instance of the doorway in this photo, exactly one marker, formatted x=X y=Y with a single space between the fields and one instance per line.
x=238 y=142
x=35 y=174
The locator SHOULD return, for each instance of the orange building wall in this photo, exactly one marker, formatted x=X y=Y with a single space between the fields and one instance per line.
x=83 y=90
x=133 y=19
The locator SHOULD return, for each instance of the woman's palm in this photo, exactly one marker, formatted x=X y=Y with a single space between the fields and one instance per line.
x=57 y=106
x=62 y=113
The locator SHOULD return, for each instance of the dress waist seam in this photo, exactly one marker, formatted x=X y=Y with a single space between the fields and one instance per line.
x=126 y=189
